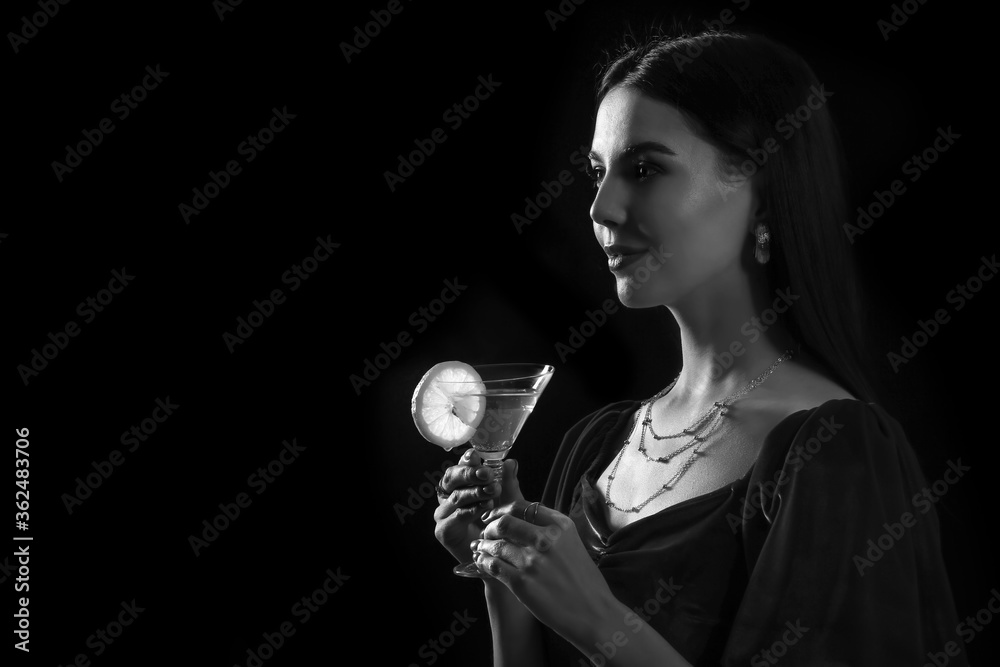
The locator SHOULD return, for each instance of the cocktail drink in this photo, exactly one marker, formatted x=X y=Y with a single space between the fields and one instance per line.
x=485 y=406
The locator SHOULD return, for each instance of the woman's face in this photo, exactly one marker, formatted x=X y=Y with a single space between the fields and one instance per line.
x=671 y=227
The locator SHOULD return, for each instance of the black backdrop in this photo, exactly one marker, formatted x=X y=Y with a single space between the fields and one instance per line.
x=337 y=506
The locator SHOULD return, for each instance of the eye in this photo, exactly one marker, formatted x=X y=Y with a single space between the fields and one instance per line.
x=596 y=175
x=643 y=170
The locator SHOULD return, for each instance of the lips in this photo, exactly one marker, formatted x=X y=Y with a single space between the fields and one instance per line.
x=619 y=249
x=620 y=256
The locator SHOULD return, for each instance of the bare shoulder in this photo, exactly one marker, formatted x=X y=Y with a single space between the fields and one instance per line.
x=806 y=385
x=802 y=385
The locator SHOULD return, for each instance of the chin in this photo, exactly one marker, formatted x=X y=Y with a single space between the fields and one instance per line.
x=637 y=294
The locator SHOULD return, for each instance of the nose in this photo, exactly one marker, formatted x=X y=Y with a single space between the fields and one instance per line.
x=608 y=209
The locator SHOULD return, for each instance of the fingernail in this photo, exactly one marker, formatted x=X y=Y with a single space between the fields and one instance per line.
x=488 y=505
x=483 y=473
x=486 y=515
x=490 y=489
x=515 y=467
x=467 y=454
x=475 y=545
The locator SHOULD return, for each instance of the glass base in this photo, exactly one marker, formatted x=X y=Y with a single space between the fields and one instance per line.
x=470 y=570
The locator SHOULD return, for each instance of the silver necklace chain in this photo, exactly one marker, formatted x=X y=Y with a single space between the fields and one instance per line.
x=713 y=416
x=718 y=409
x=696 y=426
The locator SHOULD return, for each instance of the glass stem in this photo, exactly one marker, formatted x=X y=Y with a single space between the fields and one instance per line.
x=496 y=465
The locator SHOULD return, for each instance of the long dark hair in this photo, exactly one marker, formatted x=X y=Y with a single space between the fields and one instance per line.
x=735 y=90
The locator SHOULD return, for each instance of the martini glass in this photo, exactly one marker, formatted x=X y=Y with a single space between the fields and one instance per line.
x=511 y=391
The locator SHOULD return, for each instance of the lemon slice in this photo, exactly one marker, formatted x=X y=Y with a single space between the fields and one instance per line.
x=445 y=413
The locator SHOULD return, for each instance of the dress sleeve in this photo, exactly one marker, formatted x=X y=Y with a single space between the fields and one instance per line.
x=843 y=549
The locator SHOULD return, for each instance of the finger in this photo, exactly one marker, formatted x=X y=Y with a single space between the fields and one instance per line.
x=540 y=515
x=515 y=509
x=499 y=550
x=447 y=509
x=472 y=501
x=511 y=485
x=473 y=495
x=493 y=567
x=541 y=533
x=474 y=511
x=461 y=476
x=509 y=528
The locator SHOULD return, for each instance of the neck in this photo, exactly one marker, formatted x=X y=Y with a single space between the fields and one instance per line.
x=728 y=337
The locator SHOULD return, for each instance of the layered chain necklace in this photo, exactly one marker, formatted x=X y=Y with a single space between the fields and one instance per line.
x=699 y=432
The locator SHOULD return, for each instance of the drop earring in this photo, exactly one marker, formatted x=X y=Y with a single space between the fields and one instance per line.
x=762 y=247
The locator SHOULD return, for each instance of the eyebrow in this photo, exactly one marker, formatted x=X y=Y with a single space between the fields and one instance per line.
x=645 y=146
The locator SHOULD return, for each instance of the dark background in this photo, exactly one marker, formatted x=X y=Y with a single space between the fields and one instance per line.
x=337 y=505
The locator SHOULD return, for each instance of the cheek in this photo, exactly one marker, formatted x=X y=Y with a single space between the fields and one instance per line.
x=712 y=223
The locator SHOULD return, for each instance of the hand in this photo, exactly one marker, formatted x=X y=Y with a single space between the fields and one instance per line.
x=466 y=497
x=545 y=565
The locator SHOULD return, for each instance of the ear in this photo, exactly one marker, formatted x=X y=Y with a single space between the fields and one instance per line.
x=731 y=180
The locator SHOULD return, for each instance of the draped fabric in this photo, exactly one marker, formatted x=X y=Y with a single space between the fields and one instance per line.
x=827 y=552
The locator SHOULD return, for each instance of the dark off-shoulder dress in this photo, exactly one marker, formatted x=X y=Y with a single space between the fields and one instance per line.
x=827 y=552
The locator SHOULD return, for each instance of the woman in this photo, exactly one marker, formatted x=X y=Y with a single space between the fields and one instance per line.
x=762 y=507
